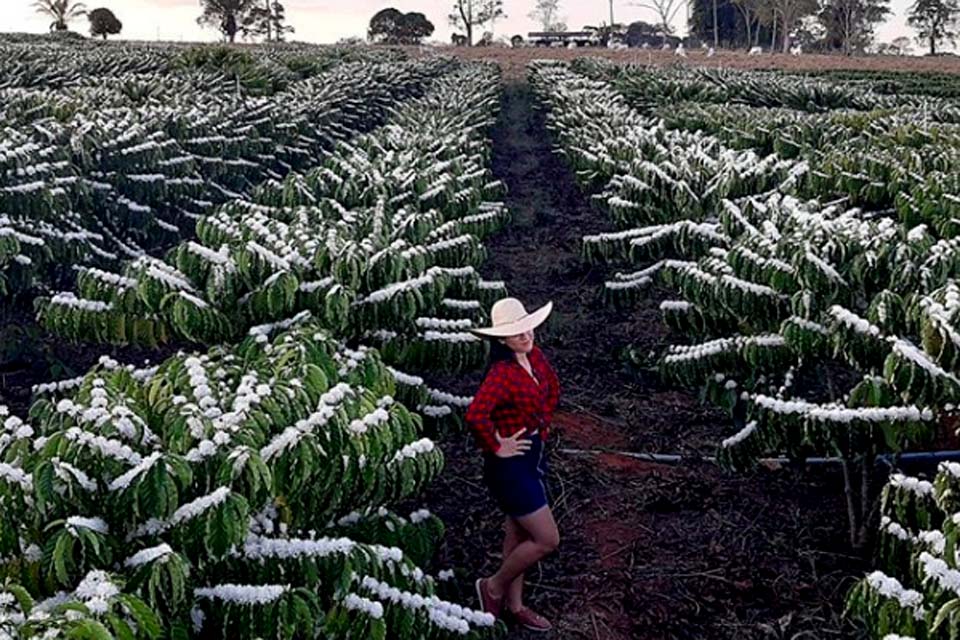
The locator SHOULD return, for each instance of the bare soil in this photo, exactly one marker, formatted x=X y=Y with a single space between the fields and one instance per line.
x=31 y=355
x=514 y=61
x=649 y=551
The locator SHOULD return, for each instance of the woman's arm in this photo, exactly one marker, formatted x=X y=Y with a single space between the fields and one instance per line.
x=494 y=391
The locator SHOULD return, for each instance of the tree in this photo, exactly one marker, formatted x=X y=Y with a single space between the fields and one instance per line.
x=226 y=15
x=62 y=12
x=416 y=27
x=902 y=46
x=104 y=23
x=391 y=26
x=666 y=10
x=472 y=13
x=850 y=23
x=641 y=33
x=935 y=21
x=267 y=21
x=546 y=12
x=732 y=29
x=789 y=13
x=748 y=11
x=385 y=26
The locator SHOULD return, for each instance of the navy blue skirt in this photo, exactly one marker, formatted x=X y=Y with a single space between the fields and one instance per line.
x=518 y=484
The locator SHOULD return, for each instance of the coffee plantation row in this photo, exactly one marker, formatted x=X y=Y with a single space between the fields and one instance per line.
x=243 y=490
x=120 y=165
x=809 y=232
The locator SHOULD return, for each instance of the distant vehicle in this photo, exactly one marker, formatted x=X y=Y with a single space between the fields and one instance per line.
x=563 y=38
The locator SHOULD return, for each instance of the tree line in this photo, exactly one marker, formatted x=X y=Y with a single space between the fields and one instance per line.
x=846 y=26
x=843 y=26
x=264 y=19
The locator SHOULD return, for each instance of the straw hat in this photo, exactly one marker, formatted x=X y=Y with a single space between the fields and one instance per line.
x=510 y=318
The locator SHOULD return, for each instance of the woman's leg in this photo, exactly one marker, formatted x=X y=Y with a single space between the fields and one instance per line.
x=543 y=539
x=514 y=536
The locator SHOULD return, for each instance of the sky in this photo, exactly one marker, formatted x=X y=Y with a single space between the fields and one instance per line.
x=326 y=21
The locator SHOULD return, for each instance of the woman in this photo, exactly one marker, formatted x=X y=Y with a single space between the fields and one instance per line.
x=510 y=416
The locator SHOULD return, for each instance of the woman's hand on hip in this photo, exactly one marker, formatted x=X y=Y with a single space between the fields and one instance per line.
x=512 y=446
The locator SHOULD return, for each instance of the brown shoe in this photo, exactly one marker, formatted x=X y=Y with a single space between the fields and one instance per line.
x=529 y=619
x=488 y=604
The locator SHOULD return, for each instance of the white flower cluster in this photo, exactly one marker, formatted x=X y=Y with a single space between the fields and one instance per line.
x=450 y=243
x=625 y=283
x=449 y=399
x=381 y=295
x=839 y=414
x=69 y=299
x=853 y=321
x=359 y=603
x=148 y=555
x=454 y=337
x=105 y=446
x=420 y=515
x=16 y=475
x=54 y=387
x=350 y=359
x=952 y=468
x=676 y=305
x=115 y=279
x=933 y=539
x=939 y=571
x=467 y=305
x=435 y=411
x=908 y=351
x=199 y=382
x=891 y=588
x=194 y=508
x=748 y=430
x=123 y=481
x=260 y=548
x=414 y=449
x=221 y=257
x=262 y=331
x=66 y=471
x=443 y=324
x=316 y=285
x=446 y=615
x=911 y=484
x=825 y=267
x=681 y=353
x=162 y=272
x=277 y=262
x=93 y=524
x=405 y=378
x=245 y=595
x=894 y=636
x=809 y=325
x=95 y=591
x=893 y=528
x=371 y=420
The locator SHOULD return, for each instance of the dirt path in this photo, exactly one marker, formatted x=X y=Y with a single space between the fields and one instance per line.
x=648 y=551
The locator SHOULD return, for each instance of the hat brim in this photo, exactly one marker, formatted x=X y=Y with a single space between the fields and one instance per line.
x=524 y=324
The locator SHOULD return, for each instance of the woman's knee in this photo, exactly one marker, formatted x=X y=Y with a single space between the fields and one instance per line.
x=548 y=541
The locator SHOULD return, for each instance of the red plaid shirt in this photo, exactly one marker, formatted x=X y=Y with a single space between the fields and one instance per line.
x=510 y=400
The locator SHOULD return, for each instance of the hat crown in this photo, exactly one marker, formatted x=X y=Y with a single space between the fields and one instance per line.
x=506 y=311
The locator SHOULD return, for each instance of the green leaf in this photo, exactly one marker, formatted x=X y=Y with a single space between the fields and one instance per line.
x=147 y=620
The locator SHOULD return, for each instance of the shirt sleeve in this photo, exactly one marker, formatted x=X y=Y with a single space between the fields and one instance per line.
x=493 y=392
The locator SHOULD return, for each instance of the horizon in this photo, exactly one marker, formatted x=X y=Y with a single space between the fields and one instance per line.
x=328 y=21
